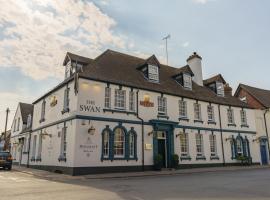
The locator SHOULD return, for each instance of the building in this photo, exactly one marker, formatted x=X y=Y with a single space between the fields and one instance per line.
x=2 y=139
x=259 y=99
x=20 y=128
x=117 y=112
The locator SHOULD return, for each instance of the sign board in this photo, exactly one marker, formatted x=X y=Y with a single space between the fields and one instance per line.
x=148 y=147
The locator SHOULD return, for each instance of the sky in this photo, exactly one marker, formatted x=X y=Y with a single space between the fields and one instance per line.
x=231 y=36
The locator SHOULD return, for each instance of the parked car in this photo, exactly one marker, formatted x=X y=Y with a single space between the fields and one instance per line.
x=5 y=160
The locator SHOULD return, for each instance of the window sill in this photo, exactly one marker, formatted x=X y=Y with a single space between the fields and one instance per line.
x=244 y=126
x=214 y=158
x=183 y=119
x=198 y=121
x=212 y=122
x=119 y=158
x=33 y=159
x=38 y=159
x=161 y=115
x=200 y=158
x=25 y=152
x=65 y=111
x=119 y=111
x=234 y=125
x=185 y=158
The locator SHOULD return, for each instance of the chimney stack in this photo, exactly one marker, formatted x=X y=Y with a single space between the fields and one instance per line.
x=227 y=90
x=195 y=63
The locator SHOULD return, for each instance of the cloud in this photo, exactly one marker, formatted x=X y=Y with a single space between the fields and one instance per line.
x=202 y=1
x=35 y=35
x=185 y=44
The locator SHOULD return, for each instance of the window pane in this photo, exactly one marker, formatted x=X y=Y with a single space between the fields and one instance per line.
x=119 y=138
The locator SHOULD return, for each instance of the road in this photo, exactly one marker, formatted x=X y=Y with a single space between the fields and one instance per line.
x=247 y=184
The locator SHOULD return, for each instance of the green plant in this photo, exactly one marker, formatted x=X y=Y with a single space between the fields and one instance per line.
x=175 y=161
x=243 y=159
x=158 y=162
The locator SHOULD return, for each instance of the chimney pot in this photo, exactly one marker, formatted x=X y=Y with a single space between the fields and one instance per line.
x=227 y=90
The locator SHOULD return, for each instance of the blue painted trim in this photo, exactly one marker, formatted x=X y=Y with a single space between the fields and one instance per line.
x=119 y=111
x=185 y=158
x=102 y=143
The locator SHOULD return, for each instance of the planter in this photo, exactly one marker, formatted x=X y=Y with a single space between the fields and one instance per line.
x=158 y=162
x=175 y=161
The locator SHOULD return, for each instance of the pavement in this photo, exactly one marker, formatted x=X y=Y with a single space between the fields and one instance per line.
x=51 y=175
x=244 y=183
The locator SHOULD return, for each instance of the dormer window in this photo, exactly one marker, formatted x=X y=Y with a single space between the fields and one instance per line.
x=29 y=121
x=153 y=73
x=220 y=89
x=187 y=81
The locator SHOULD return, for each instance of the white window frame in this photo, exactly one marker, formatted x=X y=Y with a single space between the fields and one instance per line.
x=107 y=100
x=230 y=116
x=132 y=101
x=66 y=99
x=184 y=144
x=153 y=73
x=243 y=116
x=63 y=146
x=187 y=81
x=43 y=108
x=162 y=105
x=220 y=89
x=199 y=144
x=239 y=147
x=34 y=147
x=211 y=113
x=29 y=121
x=120 y=99
x=213 y=145
x=116 y=146
x=197 y=112
x=182 y=109
x=39 y=145
x=106 y=144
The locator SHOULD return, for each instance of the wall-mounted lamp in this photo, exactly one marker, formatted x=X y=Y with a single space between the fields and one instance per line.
x=46 y=134
x=256 y=139
x=229 y=138
x=151 y=133
x=91 y=130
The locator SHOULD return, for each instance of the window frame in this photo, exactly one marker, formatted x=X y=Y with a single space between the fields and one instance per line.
x=220 y=89
x=120 y=99
x=162 y=105
x=182 y=109
x=211 y=113
x=121 y=142
x=187 y=81
x=184 y=144
x=197 y=112
x=230 y=116
x=153 y=73
x=213 y=145
x=107 y=97
x=132 y=101
x=243 y=117
x=199 y=145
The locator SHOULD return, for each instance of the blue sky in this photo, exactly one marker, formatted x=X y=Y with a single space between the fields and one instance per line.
x=232 y=36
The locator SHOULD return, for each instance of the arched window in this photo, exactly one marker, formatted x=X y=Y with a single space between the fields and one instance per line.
x=239 y=146
x=106 y=143
x=119 y=142
x=131 y=145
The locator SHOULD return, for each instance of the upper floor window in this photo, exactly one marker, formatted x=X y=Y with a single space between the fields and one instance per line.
x=220 y=89
x=29 y=121
x=213 y=145
x=243 y=115
x=14 y=125
x=184 y=144
x=162 y=105
x=210 y=112
x=43 y=108
x=153 y=73
x=197 y=112
x=187 y=80
x=66 y=101
x=120 y=99
x=182 y=109
x=132 y=101
x=107 y=103
x=230 y=115
x=18 y=124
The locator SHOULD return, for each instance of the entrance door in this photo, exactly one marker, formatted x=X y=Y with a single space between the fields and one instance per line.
x=264 y=154
x=161 y=138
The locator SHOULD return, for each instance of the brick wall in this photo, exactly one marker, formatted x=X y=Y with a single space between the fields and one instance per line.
x=250 y=99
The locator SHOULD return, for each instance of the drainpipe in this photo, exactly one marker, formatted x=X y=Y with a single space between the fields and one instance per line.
x=142 y=123
x=266 y=130
x=221 y=135
x=29 y=146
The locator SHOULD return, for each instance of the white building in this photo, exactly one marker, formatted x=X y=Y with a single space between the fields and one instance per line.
x=117 y=112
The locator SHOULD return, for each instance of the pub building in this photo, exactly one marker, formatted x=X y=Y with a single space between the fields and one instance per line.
x=117 y=112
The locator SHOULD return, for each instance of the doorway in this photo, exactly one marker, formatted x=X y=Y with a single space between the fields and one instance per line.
x=263 y=149
x=162 y=147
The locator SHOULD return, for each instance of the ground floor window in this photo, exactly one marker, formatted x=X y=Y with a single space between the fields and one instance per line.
x=240 y=147
x=213 y=145
x=199 y=144
x=184 y=144
x=119 y=143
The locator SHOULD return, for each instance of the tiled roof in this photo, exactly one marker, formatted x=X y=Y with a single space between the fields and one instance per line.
x=119 y=68
x=185 y=69
x=80 y=59
x=214 y=79
x=262 y=95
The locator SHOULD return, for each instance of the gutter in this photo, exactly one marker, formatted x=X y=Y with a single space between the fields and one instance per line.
x=266 y=130
x=221 y=135
x=142 y=124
